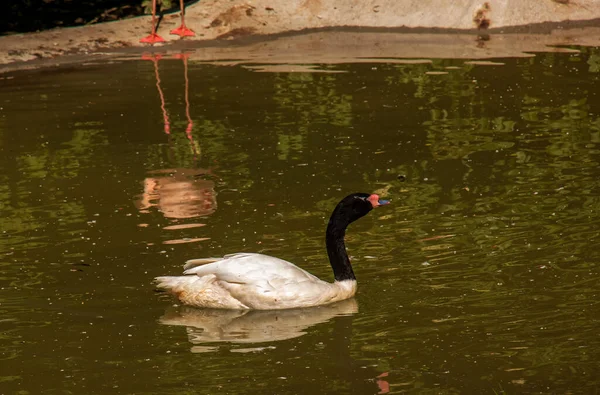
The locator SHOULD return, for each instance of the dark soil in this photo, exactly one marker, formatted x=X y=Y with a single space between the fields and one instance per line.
x=24 y=16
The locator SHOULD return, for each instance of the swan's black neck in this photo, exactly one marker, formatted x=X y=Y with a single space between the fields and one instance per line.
x=336 y=249
x=351 y=208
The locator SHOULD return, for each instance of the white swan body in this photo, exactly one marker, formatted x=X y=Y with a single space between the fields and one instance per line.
x=262 y=282
x=252 y=281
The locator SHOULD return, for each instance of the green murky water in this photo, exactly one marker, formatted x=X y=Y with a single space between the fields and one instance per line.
x=481 y=277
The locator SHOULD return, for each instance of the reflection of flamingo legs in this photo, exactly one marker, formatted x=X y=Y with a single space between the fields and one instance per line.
x=153 y=37
x=384 y=386
x=195 y=148
x=190 y=125
x=155 y=59
x=182 y=30
x=167 y=125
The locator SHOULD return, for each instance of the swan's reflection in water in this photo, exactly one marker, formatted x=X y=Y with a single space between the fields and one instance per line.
x=251 y=326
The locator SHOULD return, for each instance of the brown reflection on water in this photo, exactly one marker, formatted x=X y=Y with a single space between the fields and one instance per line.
x=178 y=194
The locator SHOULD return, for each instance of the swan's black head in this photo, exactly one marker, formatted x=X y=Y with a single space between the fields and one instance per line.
x=354 y=206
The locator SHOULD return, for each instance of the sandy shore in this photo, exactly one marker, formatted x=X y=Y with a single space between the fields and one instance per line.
x=262 y=30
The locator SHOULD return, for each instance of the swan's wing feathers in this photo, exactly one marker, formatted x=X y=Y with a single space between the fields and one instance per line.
x=247 y=268
x=192 y=263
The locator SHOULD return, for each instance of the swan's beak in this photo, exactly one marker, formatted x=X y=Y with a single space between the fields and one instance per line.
x=375 y=201
x=382 y=202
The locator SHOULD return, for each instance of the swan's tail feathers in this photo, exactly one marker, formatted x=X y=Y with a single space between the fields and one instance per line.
x=197 y=262
x=183 y=287
x=199 y=291
x=173 y=284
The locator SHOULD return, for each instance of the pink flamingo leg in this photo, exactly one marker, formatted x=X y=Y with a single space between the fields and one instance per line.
x=182 y=31
x=153 y=37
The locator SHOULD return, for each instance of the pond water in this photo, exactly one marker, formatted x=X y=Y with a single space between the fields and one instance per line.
x=482 y=276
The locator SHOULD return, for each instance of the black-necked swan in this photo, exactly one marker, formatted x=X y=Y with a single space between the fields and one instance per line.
x=262 y=282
